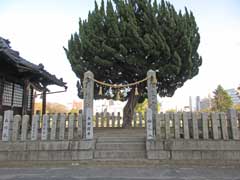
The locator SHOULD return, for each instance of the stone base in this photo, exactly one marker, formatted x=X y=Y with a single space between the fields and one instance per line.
x=46 y=150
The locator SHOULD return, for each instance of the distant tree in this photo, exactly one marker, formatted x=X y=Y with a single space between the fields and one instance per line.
x=221 y=100
x=120 y=42
x=142 y=107
x=237 y=107
x=38 y=107
x=171 y=110
x=51 y=108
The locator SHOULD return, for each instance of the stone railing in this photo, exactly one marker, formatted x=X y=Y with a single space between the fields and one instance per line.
x=57 y=126
x=188 y=125
x=181 y=125
x=47 y=127
x=178 y=136
x=196 y=136
x=115 y=121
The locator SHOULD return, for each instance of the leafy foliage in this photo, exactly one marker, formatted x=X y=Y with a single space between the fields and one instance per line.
x=142 y=107
x=221 y=100
x=51 y=108
x=121 y=41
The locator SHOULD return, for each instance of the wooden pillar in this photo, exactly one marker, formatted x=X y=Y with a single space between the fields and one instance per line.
x=1 y=93
x=25 y=97
x=44 y=100
x=152 y=96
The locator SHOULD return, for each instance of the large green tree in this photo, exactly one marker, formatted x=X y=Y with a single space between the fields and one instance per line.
x=120 y=41
x=221 y=100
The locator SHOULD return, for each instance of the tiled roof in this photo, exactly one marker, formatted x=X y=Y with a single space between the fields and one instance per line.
x=19 y=62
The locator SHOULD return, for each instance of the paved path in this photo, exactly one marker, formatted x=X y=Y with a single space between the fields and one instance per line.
x=162 y=172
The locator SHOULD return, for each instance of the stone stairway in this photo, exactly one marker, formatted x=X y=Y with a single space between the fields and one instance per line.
x=116 y=148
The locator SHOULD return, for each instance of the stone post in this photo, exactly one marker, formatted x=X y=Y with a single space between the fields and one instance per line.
x=7 y=125
x=71 y=121
x=152 y=96
x=35 y=126
x=62 y=126
x=205 y=125
x=195 y=125
x=224 y=126
x=88 y=95
x=54 y=126
x=232 y=113
x=45 y=124
x=177 y=125
x=1 y=125
x=80 y=122
x=149 y=125
x=25 y=121
x=214 y=116
x=185 y=125
x=16 y=126
x=167 y=125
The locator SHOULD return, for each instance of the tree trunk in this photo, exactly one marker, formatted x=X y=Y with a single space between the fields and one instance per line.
x=128 y=110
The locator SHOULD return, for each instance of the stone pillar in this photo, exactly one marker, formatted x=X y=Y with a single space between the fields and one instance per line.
x=54 y=127
x=25 y=121
x=177 y=125
x=88 y=95
x=158 y=126
x=214 y=116
x=233 y=123
x=1 y=125
x=71 y=120
x=185 y=125
x=62 y=126
x=7 y=125
x=140 y=119
x=118 y=120
x=167 y=125
x=45 y=123
x=89 y=124
x=149 y=120
x=80 y=122
x=205 y=125
x=35 y=126
x=15 y=131
x=195 y=125
x=152 y=96
x=224 y=126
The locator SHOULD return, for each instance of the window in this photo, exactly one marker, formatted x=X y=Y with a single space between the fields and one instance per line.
x=12 y=94
x=7 y=94
x=17 y=95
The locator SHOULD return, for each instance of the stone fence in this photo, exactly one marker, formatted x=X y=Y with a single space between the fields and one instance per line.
x=181 y=125
x=58 y=126
x=115 y=121
x=177 y=136
x=187 y=125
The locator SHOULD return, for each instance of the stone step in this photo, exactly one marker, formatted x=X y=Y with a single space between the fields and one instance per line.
x=119 y=154
x=120 y=146
x=121 y=139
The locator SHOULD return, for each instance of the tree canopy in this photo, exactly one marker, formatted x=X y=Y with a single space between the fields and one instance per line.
x=221 y=100
x=120 y=41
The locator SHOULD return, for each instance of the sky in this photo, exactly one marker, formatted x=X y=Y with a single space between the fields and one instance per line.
x=40 y=29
